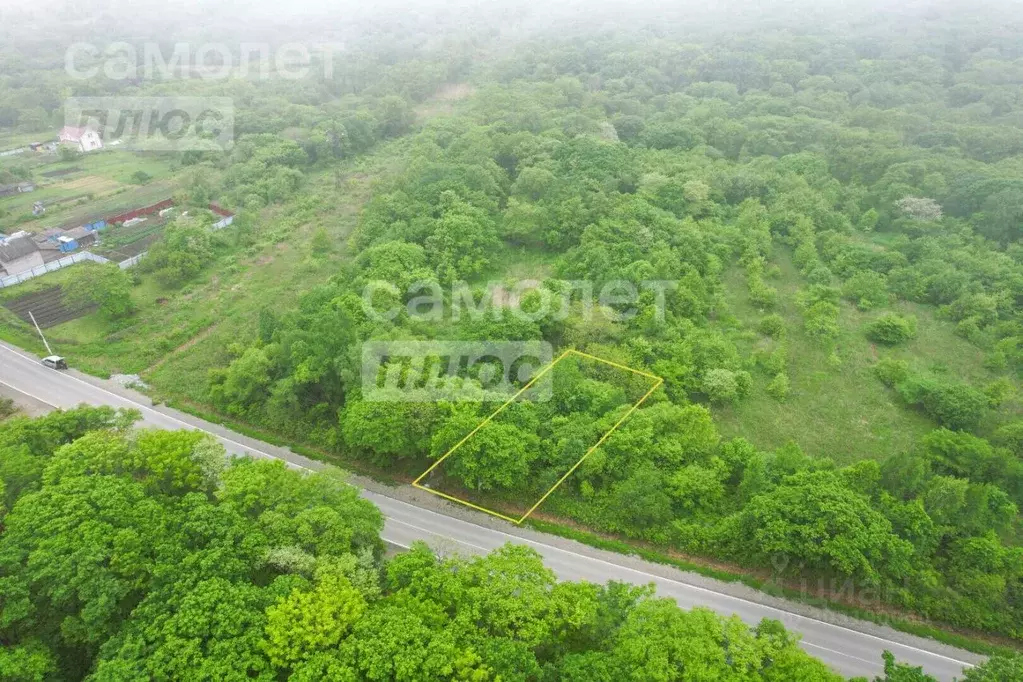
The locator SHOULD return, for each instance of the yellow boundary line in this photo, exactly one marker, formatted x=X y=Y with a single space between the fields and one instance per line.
x=657 y=383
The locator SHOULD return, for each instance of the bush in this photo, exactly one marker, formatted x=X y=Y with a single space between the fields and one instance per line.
x=867 y=288
x=953 y=405
x=106 y=286
x=998 y=391
x=762 y=295
x=891 y=329
x=891 y=371
x=1010 y=436
x=773 y=362
x=772 y=325
x=726 y=386
x=7 y=408
x=821 y=321
x=779 y=387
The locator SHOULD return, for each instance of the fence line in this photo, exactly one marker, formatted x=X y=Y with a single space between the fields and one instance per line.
x=11 y=280
x=128 y=262
x=38 y=270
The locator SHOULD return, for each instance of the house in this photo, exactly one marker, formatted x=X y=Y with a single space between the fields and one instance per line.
x=85 y=139
x=19 y=253
x=82 y=235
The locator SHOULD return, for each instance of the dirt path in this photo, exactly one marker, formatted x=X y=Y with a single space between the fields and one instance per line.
x=185 y=346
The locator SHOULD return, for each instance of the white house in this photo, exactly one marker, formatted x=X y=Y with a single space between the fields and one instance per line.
x=85 y=139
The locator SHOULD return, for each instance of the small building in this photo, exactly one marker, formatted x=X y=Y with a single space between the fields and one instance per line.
x=83 y=236
x=18 y=254
x=84 y=139
x=66 y=244
x=49 y=250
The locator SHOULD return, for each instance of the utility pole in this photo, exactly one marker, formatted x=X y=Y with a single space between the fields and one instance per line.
x=48 y=349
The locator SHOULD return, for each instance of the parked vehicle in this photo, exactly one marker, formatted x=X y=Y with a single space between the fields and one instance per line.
x=55 y=362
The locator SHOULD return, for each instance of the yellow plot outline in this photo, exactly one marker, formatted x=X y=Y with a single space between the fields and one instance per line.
x=657 y=382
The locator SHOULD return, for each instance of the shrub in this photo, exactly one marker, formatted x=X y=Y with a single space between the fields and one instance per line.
x=7 y=408
x=891 y=329
x=762 y=295
x=779 y=387
x=998 y=391
x=725 y=385
x=953 y=405
x=1010 y=436
x=822 y=321
x=891 y=371
x=772 y=325
x=867 y=288
x=774 y=361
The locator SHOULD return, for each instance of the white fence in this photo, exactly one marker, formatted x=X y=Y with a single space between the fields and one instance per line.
x=12 y=152
x=11 y=280
x=128 y=262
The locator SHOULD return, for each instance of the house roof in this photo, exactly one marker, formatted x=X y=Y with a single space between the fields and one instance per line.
x=73 y=133
x=16 y=248
x=77 y=232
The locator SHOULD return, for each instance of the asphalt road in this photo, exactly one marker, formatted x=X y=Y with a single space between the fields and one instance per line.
x=851 y=647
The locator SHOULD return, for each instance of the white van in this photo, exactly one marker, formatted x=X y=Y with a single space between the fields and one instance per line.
x=55 y=362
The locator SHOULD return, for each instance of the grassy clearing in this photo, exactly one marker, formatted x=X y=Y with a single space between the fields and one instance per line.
x=842 y=411
x=14 y=140
x=101 y=183
x=221 y=306
x=273 y=273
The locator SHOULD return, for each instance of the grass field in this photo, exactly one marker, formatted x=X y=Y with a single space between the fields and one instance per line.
x=98 y=183
x=14 y=140
x=220 y=307
x=274 y=274
x=842 y=412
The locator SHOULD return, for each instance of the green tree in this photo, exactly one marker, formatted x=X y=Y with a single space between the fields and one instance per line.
x=996 y=669
x=309 y=621
x=104 y=285
x=390 y=429
x=184 y=250
x=498 y=456
x=814 y=518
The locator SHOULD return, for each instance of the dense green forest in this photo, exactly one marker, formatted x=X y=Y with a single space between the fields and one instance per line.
x=878 y=183
x=130 y=555
x=838 y=205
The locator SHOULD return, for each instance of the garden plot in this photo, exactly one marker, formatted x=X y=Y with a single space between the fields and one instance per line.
x=48 y=307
